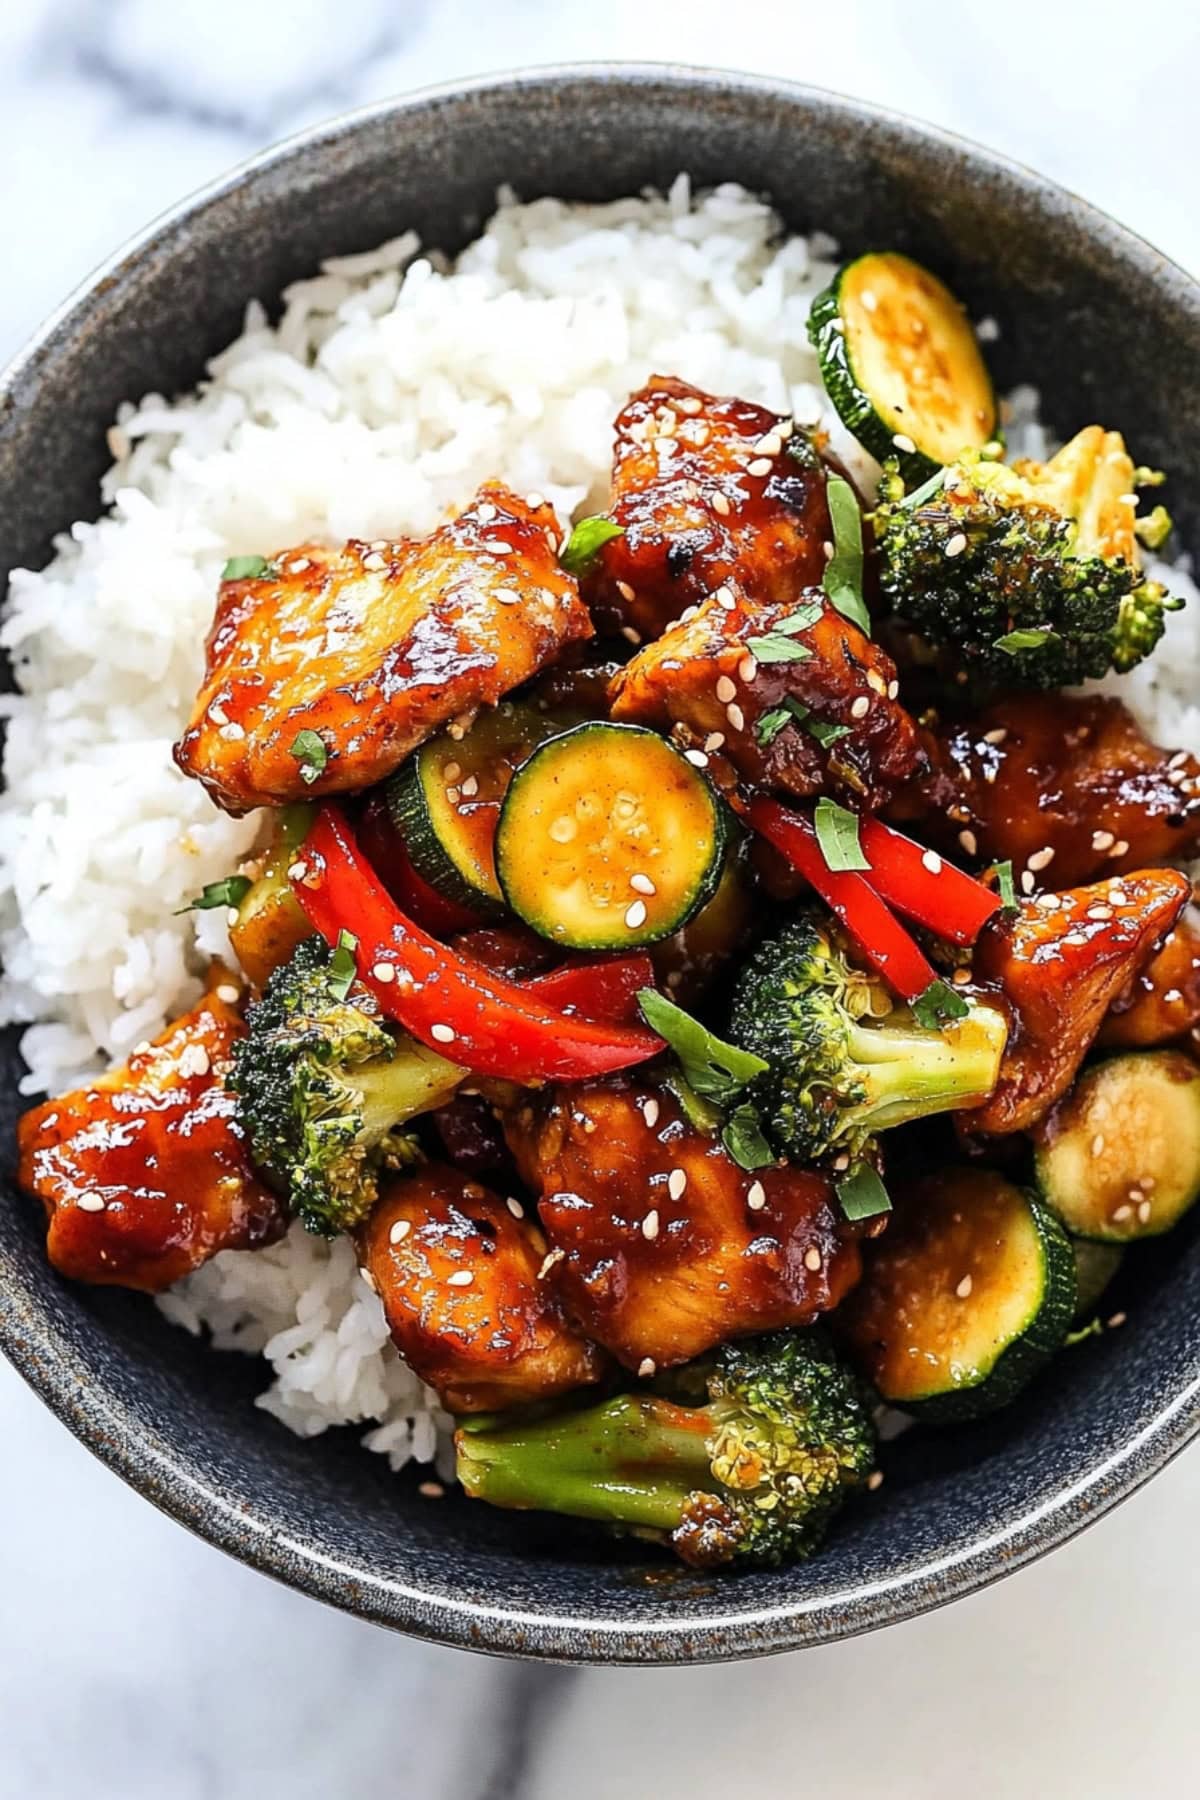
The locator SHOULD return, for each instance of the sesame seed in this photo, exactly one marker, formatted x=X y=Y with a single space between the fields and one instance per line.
x=1027 y=882
x=1143 y=1212
x=1102 y=840
x=748 y=667
x=876 y=683
x=1098 y=1143
x=893 y=690
x=642 y=884
x=451 y=772
x=697 y=758
x=902 y=441
x=963 y=1290
x=625 y=591
x=968 y=841
x=842 y=1161
x=676 y=1183
x=635 y=914
x=957 y=544
x=534 y=500
x=812 y=1259
x=500 y=547
x=485 y=513
x=1120 y=848
x=218 y=715
x=90 y=1203
x=1041 y=859
x=770 y=445
x=384 y=972
x=232 y=733
x=1076 y=939
x=756 y=1197
x=399 y=1231
x=650 y=1111
x=453 y=795
x=229 y=994
x=875 y=1478
x=373 y=561
x=861 y=707
x=232 y=915
x=443 y=1034
x=724 y=598
x=1049 y=902
x=194 y=1060
x=1122 y=1213
x=726 y=690
x=1172 y=996
x=996 y=737
x=735 y=716
x=1117 y=1320
x=431 y=1490
x=631 y=635
x=961 y=977
x=932 y=861
x=650 y=1225
x=368 y=1280
x=759 y=467
x=720 y=504
x=589 y=1125
x=689 y=404
x=460 y=1278
x=1117 y=896
x=470 y=787
x=1099 y=912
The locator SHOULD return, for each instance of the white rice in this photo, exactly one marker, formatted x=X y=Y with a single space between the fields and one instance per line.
x=390 y=387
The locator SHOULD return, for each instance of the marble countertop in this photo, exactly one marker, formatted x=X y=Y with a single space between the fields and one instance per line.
x=135 y=1661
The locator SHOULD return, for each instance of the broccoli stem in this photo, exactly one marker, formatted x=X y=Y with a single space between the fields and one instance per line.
x=909 y=1072
x=410 y=1082
x=632 y=1461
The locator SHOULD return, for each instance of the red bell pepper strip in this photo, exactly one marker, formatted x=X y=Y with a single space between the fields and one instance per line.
x=387 y=853
x=445 y=1000
x=875 y=929
x=605 y=988
x=924 y=887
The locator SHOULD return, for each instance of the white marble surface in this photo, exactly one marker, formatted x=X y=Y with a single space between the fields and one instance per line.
x=135 y=1661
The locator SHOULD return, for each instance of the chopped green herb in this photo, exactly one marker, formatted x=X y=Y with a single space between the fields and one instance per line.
x=744 y=1140
x=824 y=732
x=586 y=541
x=1004 y=882
x=837 y=835
x=230 y=891
x=244 y=568
x=1093 y=1328
x=700 y=1114
x=926 y=491
x=800 y=620
x=1030 y=638
x=342 y=967
x=716 y=1070
x=862 y=1195
x=772 y=723
x=776 y=647
x=844 y=571
x=310 y=752
x=939 y=1005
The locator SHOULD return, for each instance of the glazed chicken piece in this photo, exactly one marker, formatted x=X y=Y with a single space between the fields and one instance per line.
x=1058 y=965
x=372 y=648
x=1163 y=1001
x=144 y=1174
x=460 y=1278
x=707 y=491
x=1066 y=774
x=667 y=1247
x=703 y=680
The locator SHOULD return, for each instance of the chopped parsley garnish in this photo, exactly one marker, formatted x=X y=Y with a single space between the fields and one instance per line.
x=862 y=1195
x=744 y=1140
x=800 y=620
x=824 y=732
x=230 y=891
x=714 y=1069
x=795 y=712
x=586 y=541
x=939 y=1005
x=310 y=752
x=1004 y=882
x=1030 y=638
x=342 y=967
x=926 y=491
x=837 y=835
x=844 y=571
x=245 y=568
x=772 y=723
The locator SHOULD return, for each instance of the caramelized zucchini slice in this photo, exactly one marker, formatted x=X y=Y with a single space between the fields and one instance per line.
x=270 y=920
x=609 y=839
x=901 y=363
x=1119 y=1157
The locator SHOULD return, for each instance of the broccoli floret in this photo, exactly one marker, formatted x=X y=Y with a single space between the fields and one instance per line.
x=752 y=1471
x=844 y=1061
x=1027 y=577
x=323 y=1087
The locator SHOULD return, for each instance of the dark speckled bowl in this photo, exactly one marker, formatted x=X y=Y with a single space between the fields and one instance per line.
x=1107 y=328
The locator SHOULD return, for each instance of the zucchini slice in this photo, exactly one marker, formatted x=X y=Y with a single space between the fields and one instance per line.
x=1096 y=1266
x=445 y=801
x=270 y=920
x=609 y=838
x=1119 y=1157
x=901 y=363
x=968 y=1292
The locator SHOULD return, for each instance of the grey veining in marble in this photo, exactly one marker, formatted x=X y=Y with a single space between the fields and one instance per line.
x=135 y=1661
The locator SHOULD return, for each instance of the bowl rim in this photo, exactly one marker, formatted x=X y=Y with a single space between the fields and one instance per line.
x=145 y=1460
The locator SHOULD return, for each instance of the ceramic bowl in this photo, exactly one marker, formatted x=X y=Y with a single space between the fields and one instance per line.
x=1105 y=327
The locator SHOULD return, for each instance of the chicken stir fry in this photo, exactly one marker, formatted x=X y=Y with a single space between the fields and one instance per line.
x=493 y=873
